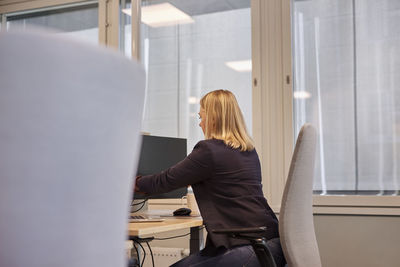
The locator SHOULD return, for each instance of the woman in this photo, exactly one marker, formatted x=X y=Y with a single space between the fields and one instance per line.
x=224 y=172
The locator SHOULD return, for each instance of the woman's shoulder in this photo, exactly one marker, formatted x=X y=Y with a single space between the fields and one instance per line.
x=209 y=146
x=221 y=144
x=210 y=143
x=217 y=147
x=202 y=152
x=215 y=150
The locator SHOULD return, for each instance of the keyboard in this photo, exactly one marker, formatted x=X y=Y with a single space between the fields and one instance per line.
x=138 y=217
x=145 y=218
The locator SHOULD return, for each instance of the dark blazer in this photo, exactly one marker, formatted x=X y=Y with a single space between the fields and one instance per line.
x=227 y=186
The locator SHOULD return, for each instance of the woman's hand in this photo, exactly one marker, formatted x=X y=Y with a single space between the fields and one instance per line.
x=137 y=189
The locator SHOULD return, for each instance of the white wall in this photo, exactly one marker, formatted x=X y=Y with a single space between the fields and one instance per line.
x=358 y=241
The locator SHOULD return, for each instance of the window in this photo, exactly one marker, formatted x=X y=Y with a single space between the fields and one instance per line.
x=207 y=48
x=79 y=20
x=346 y=65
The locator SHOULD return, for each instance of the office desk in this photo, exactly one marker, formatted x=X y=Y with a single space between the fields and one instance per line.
x=171 y=223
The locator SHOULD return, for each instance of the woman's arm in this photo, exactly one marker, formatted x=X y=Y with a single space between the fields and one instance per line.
x=196 y=167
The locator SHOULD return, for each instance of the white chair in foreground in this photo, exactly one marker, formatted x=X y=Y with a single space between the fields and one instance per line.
x=70 y=118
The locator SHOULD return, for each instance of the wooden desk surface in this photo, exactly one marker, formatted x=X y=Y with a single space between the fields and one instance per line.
x=170 y=224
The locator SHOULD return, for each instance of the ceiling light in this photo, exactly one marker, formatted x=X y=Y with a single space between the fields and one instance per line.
x=127 y=11
x=162 y=15
x=193 y=100
x=301 y=94
x=240 y=66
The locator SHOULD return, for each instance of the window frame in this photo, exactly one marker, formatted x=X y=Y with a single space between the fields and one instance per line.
x=108 y=14
x=12 y=6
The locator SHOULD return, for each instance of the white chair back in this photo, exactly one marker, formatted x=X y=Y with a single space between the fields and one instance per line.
x=70 y=116
x=296 y=225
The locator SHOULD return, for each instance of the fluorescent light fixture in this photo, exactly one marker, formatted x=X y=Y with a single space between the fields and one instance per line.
x=127 y=11
x=193 y=100
x=301 y=94
x=240 y=66
x=161 y=15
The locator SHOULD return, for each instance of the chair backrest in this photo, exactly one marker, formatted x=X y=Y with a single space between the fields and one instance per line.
x=70 y=116
x=296 y=226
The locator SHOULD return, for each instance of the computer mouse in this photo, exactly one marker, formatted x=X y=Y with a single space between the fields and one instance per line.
x=182 y=212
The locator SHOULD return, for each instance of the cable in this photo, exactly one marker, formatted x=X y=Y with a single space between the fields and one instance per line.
x=144 y=254
x=136 y=241
x=166 y=238
x=134 y=204
x=143 y=203
x=138 y=208
x=137 y=252
x=151 y=253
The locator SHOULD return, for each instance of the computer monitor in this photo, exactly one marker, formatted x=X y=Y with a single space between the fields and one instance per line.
x=157 y=154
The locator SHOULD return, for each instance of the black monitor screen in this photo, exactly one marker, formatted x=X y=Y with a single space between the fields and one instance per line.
x=157 y=154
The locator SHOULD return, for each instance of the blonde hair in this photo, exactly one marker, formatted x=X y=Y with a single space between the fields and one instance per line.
x=224 y=120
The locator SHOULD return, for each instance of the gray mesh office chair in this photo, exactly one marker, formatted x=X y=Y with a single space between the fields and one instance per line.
x=70 y=116
x=296 y=226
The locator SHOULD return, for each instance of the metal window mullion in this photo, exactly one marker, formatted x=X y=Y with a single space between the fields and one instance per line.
x=109 y=22
x=102 y=22
x=122 y=28
x=136 y=17
x=3 y=19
